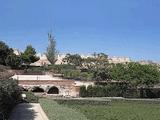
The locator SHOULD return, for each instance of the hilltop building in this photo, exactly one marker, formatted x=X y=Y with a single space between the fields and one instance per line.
x=17 y=52
x=44 y=61
x=117 y=60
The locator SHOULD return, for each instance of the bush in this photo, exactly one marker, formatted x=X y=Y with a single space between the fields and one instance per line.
x=31 y=98
x=34 y=71
x=77 y=74
x=10 y=95
x=59 y=68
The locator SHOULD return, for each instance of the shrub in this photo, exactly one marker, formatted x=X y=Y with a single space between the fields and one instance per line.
x=30 y=97
x=10 y=95
x=34 y=71
x=77 y=74
x=59 y=68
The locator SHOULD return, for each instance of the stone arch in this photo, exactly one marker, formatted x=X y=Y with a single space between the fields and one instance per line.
x=23 y=89
x=37 y=89
x=53 y=90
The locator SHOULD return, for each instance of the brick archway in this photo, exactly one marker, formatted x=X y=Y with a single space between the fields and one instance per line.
x=37 y=89
x=53 y=90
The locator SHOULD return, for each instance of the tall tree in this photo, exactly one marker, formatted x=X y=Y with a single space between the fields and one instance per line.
x=52 y=53
x=29 y=55
x=4 y=52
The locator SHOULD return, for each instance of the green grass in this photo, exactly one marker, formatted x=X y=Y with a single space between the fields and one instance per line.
x=117 y=110
x=55 y=111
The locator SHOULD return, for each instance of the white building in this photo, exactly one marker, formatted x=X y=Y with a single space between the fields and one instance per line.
x=17 y=52
x=42 y=61
x=117 y=60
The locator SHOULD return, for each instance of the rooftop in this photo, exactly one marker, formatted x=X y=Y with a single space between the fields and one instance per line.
x=36 y=77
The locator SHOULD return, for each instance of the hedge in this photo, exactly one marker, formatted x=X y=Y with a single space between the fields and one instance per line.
x=10 y=95
x=103 y=91
x=121 y=90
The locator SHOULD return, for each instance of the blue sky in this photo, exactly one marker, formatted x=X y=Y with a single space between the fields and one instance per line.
x=129 y=28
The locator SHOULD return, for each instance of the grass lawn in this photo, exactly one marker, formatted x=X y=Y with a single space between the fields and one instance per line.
x=117 y=110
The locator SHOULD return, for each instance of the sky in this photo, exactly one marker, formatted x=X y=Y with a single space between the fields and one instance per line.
x=124 y=28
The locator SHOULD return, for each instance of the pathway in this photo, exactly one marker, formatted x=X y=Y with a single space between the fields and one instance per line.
x=27 y=111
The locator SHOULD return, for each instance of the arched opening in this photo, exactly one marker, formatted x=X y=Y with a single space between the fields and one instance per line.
x=23 y=89
x=53 y=90
x=37 y=90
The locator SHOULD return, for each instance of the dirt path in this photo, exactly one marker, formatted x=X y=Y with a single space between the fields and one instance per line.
x=28 y=111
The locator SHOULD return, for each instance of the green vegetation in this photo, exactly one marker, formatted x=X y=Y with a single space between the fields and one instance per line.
x=74 y=60
x=10 y=95
x=4 y=72
x=29 y=55
x=34 y=71
x=110 y=90
x=55 y=111
x=77 y=75
x=30 y=97
x=136 y=74
x=51 y=49
x=117 y=110
x=8 y=58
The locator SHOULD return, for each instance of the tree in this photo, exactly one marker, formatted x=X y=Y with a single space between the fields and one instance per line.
x=119 y=72
x=13 y=60
x=98 y=61
x=98 y=65
x=29 y=55
x=51 y=49
x=4 y=52
x=136 y=74
x=74 y=60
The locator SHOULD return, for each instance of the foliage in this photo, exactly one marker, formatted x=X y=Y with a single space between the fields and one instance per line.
x=4 y=72
x=30 y=97
x=74 y=60
x=97 y=62
x=51 y=49
x=29 y=55
x=77 y=75
x=98 y=65
x=55 y=111
x=4 y=52
x=13 y=60
x=83 y=91
x=10 y=95
x=59 y=68
x=101 y=75
x=7 y=57
x=110 y=90
x=34 y=71
x=136 y=74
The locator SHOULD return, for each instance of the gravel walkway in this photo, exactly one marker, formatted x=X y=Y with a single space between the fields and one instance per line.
x=27 y=111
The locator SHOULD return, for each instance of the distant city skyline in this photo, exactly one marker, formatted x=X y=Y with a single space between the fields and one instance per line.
x=118 y=28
